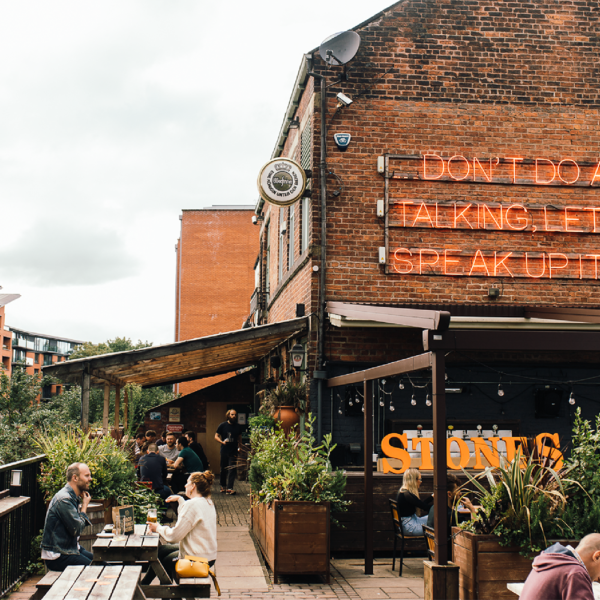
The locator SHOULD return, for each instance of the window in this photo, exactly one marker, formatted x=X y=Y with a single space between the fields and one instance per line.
x=37 y=358
x=306 y=163
x=280 y=258
x=268 y=261
x=291 y=236
x=47 y=359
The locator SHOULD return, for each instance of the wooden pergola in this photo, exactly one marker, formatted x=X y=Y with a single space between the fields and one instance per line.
x=171 y=363
x=438 y=341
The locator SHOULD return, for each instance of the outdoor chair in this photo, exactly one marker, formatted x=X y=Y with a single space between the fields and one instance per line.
x=398 y=535
x=429 y=534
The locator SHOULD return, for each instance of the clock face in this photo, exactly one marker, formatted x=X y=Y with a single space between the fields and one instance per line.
x=281 y=181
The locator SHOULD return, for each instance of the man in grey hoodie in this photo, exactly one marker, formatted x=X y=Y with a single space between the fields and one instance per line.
x=565 y=573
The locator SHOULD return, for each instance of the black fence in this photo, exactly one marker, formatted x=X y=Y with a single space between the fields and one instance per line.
x=20 y=526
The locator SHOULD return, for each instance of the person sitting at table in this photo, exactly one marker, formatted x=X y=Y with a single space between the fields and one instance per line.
x=565 y=572
x=454 y=516
x=197 y=448
x=169 y=450
x=187 y=462
x=408 y=500
x=153 y=467
x=195 y=532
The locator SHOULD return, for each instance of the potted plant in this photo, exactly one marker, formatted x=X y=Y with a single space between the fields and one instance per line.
x=285 y=403
x=520 y=511
x=294 y=492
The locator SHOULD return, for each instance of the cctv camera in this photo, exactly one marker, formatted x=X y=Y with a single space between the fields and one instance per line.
x=343 y=100
x=254 y=220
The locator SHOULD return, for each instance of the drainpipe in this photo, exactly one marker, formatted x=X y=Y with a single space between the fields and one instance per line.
x=320 y=374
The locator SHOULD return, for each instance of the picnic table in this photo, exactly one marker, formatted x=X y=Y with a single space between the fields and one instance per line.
x=142 y=546
x=517 y=588
x=113 y=582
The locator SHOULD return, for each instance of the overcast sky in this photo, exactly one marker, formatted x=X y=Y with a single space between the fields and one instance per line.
x=114 y=116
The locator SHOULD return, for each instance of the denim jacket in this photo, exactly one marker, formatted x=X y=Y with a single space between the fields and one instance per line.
x=64 y=523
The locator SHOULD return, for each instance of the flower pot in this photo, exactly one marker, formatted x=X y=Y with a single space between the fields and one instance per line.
x=293 y=537
x=288 y=417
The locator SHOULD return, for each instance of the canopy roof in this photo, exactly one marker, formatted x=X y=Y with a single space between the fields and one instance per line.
x=180 y=361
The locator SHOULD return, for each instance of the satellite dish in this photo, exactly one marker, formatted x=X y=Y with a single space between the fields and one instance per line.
x=340 y=48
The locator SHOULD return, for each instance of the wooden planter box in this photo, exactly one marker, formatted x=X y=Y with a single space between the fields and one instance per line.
x=486 y=567
x=293 y=537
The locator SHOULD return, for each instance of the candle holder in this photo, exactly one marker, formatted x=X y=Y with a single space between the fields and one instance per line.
x=16 y=478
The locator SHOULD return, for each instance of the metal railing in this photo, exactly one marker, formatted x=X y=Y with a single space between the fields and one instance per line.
x=20 y=526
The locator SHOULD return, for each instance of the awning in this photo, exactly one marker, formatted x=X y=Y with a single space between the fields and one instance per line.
x=180 y=361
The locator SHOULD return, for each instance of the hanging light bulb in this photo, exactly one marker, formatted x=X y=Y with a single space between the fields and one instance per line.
x=350 y=403
x=356 y=398
x=340 y=411
x=363 y=409
x=383 y=382
x=392 y=407
x=572 y=399
x=500 y=390
x=413 y=401
x=401 y=384
x=381 y=402
x=428 y=400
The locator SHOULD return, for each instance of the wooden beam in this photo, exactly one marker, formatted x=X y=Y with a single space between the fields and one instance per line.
x=117 y=407
x=85 y=400
x=100 y=374
x=406 y=365
x=125 y=410
x=106 y=407
x=368 y=453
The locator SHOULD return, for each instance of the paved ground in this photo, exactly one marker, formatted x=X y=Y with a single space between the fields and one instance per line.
x=243 y=574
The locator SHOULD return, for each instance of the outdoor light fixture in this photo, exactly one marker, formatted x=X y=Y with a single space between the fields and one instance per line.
x=413 y=400
x=500 y=390
x=572 y=399
x=295 y=123
x=16 y=479
x=428 y=400
x=297 y=353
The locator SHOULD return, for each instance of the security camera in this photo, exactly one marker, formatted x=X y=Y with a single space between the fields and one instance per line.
x=254 y=220
x=343 y=100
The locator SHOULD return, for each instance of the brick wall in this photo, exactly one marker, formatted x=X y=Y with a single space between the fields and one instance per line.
x=218 y=248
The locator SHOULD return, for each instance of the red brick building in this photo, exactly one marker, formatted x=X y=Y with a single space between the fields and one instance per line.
x=215 y=252
x=5 y=335
x=470 y=185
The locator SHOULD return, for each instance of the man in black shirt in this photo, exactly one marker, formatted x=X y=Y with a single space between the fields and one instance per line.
x=197 y=448
x=153 y=467
x=229 y=435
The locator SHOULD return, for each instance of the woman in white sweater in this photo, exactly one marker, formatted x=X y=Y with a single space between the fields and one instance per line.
x=195 y=532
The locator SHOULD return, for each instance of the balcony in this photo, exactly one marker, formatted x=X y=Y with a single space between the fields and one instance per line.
x=257 y=301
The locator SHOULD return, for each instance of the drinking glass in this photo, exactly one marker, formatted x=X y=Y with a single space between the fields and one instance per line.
x=119 y=530
x=152 y=516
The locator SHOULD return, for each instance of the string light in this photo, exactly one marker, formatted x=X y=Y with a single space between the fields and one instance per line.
x=500 y=390
x=572 y=399
x=392 y=407
x=428 y=400
x=413 y=400
x=381 y=402
x=340 y=410
x=401 y=384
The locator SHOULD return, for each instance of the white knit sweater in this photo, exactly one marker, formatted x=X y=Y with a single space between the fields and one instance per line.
x=195 y=530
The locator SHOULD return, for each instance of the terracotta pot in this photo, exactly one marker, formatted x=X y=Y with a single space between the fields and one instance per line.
x=288 y=417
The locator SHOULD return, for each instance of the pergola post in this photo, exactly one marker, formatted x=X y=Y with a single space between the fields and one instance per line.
x=368 y=442
x=117 y=407
x=106 y=407
x=125 y=410
x=440 y=486
x=85 y=399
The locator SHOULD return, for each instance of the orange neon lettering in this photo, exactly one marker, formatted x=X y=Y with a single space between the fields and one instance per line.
x=425 y=157
x=595 y=257
x=421 y=263
x=459 y=157
x=550 y=266
x=464 y=454
x=521 y=220
x=426 y=446
x=501 y=263
x=482 y=266
x=568 y=219
x=546 y=226
x=448 y=260
x=576 y=166
x=437 y=216
x=404 y=203
x=511 y=448
x=461 y=215
x=485 y=208
x=476 y=162
x=402 y=260
x=426 y=218
x=545 y=450
x=514 y=161
x=491 y=455
x=594 y=217
x=537 y=178
x=395 y=452
x=596 y=174
x=527 y=266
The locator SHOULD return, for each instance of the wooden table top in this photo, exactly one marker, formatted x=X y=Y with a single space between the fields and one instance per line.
x=115 y=582
x=8 y=504
x=140 y=539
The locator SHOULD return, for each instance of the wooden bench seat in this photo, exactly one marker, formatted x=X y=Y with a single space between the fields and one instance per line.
x=45 y=583
x=181 y=588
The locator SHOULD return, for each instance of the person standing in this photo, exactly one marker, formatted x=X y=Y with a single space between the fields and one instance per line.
x=229 y=435
x=65 y=522
x=197 y=448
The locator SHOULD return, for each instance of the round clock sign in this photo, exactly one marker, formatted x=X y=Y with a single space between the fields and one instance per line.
x=281 y=181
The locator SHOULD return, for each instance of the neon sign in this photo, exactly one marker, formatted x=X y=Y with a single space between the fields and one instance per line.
x=484 y=454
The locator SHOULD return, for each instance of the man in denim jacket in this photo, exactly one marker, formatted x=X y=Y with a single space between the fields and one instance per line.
x=65 y=522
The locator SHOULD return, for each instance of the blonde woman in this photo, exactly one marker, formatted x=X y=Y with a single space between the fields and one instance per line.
x=408 y=500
